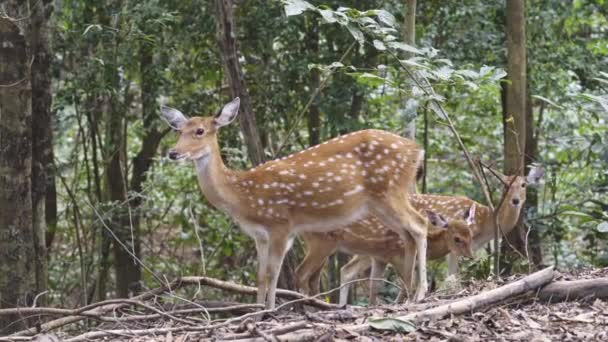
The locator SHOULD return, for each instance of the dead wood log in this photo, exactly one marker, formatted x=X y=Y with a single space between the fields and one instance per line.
x=484 y=299
x=559 y=291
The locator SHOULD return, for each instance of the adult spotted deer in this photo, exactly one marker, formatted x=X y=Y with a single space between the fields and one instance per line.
x=319 y=189
x=514 y=193
x=376 y=246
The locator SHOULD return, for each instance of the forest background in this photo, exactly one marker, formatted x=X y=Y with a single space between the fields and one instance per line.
x=91 y=208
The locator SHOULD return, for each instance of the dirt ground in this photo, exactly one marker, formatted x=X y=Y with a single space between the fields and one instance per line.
x=522 y=318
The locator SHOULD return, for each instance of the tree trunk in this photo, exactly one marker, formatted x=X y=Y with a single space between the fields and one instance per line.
x=150 y=141
x=17 y=253
x=43 y=176
x=515 y=118
x=531 y=156
x=314 y=115
x=228 y=49
x=409 y=37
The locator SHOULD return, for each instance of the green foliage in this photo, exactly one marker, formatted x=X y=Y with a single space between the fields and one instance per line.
x=460 y=50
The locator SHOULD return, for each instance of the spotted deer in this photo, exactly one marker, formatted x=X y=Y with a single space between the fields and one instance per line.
x=514 y=193
x=375 y=246
x=319 y=189
x=449 y=207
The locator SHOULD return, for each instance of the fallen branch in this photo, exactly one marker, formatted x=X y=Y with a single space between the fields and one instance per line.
x=270 y=334
x=484 y=299
x=559 y=291
x=98 y=309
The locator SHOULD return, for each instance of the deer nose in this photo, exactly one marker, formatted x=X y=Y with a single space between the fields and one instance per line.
x=515 y=201
x=173 y=155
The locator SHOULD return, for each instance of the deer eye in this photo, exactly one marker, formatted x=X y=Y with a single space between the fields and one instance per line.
x=523 y=185
x=199 y=132
x=457 y=240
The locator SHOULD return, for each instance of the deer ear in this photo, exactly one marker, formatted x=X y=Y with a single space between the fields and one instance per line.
x=174 y=117
x=436 y=219
x=471 y=215
x=535 y=175
x=228 y=113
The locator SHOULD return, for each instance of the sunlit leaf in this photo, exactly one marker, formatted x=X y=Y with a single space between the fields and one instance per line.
x=386 y=17
x=379 y=45
x=544 y=99
x=404 y=47
x=90 y=27
x=392 y=324
x=368 y=79
x=296 y=7
x=328 y=16
x=602 y=227
x=356 y=33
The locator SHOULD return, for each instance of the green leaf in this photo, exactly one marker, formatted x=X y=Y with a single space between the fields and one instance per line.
x=467 y=73
x=498 y=74
x=356 y=33
x=368 y=79
x=296 y=7
x=544 y=99
x=328 y=16
x=603 y=101
x=379 y=45
x=392 y=324
x=386 y=17
x=404 y=47
x=90 y=27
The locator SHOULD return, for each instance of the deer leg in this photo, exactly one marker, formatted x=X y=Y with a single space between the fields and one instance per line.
x=452 y=264
x=400 y=216
x=261 y=245
x=318 y=249
x=278 y=247
x=314 y=282
x=350 y=272
x=378 y=267
x=404 y=266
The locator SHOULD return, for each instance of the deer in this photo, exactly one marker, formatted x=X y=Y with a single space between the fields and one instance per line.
x=375 y=246
x=318 y=189
x=508 y=212
x=449 y=207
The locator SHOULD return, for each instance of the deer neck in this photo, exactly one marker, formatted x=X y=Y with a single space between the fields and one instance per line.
x=215 y=179
x=508 y=216
x=438 y=245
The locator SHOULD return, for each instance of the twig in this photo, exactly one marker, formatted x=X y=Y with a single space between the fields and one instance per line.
x=310 y=101
x=254 y=330
x=198 y=238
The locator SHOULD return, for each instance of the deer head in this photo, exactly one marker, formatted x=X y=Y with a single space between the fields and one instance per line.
x=197 y=135
x=459 y=235
x=516 y=186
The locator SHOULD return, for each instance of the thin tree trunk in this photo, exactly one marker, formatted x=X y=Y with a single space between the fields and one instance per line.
x=17 y=257
x=314 y=115
x=534 y=243
x=115 y=179
x=144 y=158
x=228 y=49
x=409 y=37
x=515 y=118
x=43 y=176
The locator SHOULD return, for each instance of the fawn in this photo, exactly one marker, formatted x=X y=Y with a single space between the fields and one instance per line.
x=375 y=246
x=319 y=189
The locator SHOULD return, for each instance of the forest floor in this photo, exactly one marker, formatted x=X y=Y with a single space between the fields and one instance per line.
x=516 y=318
